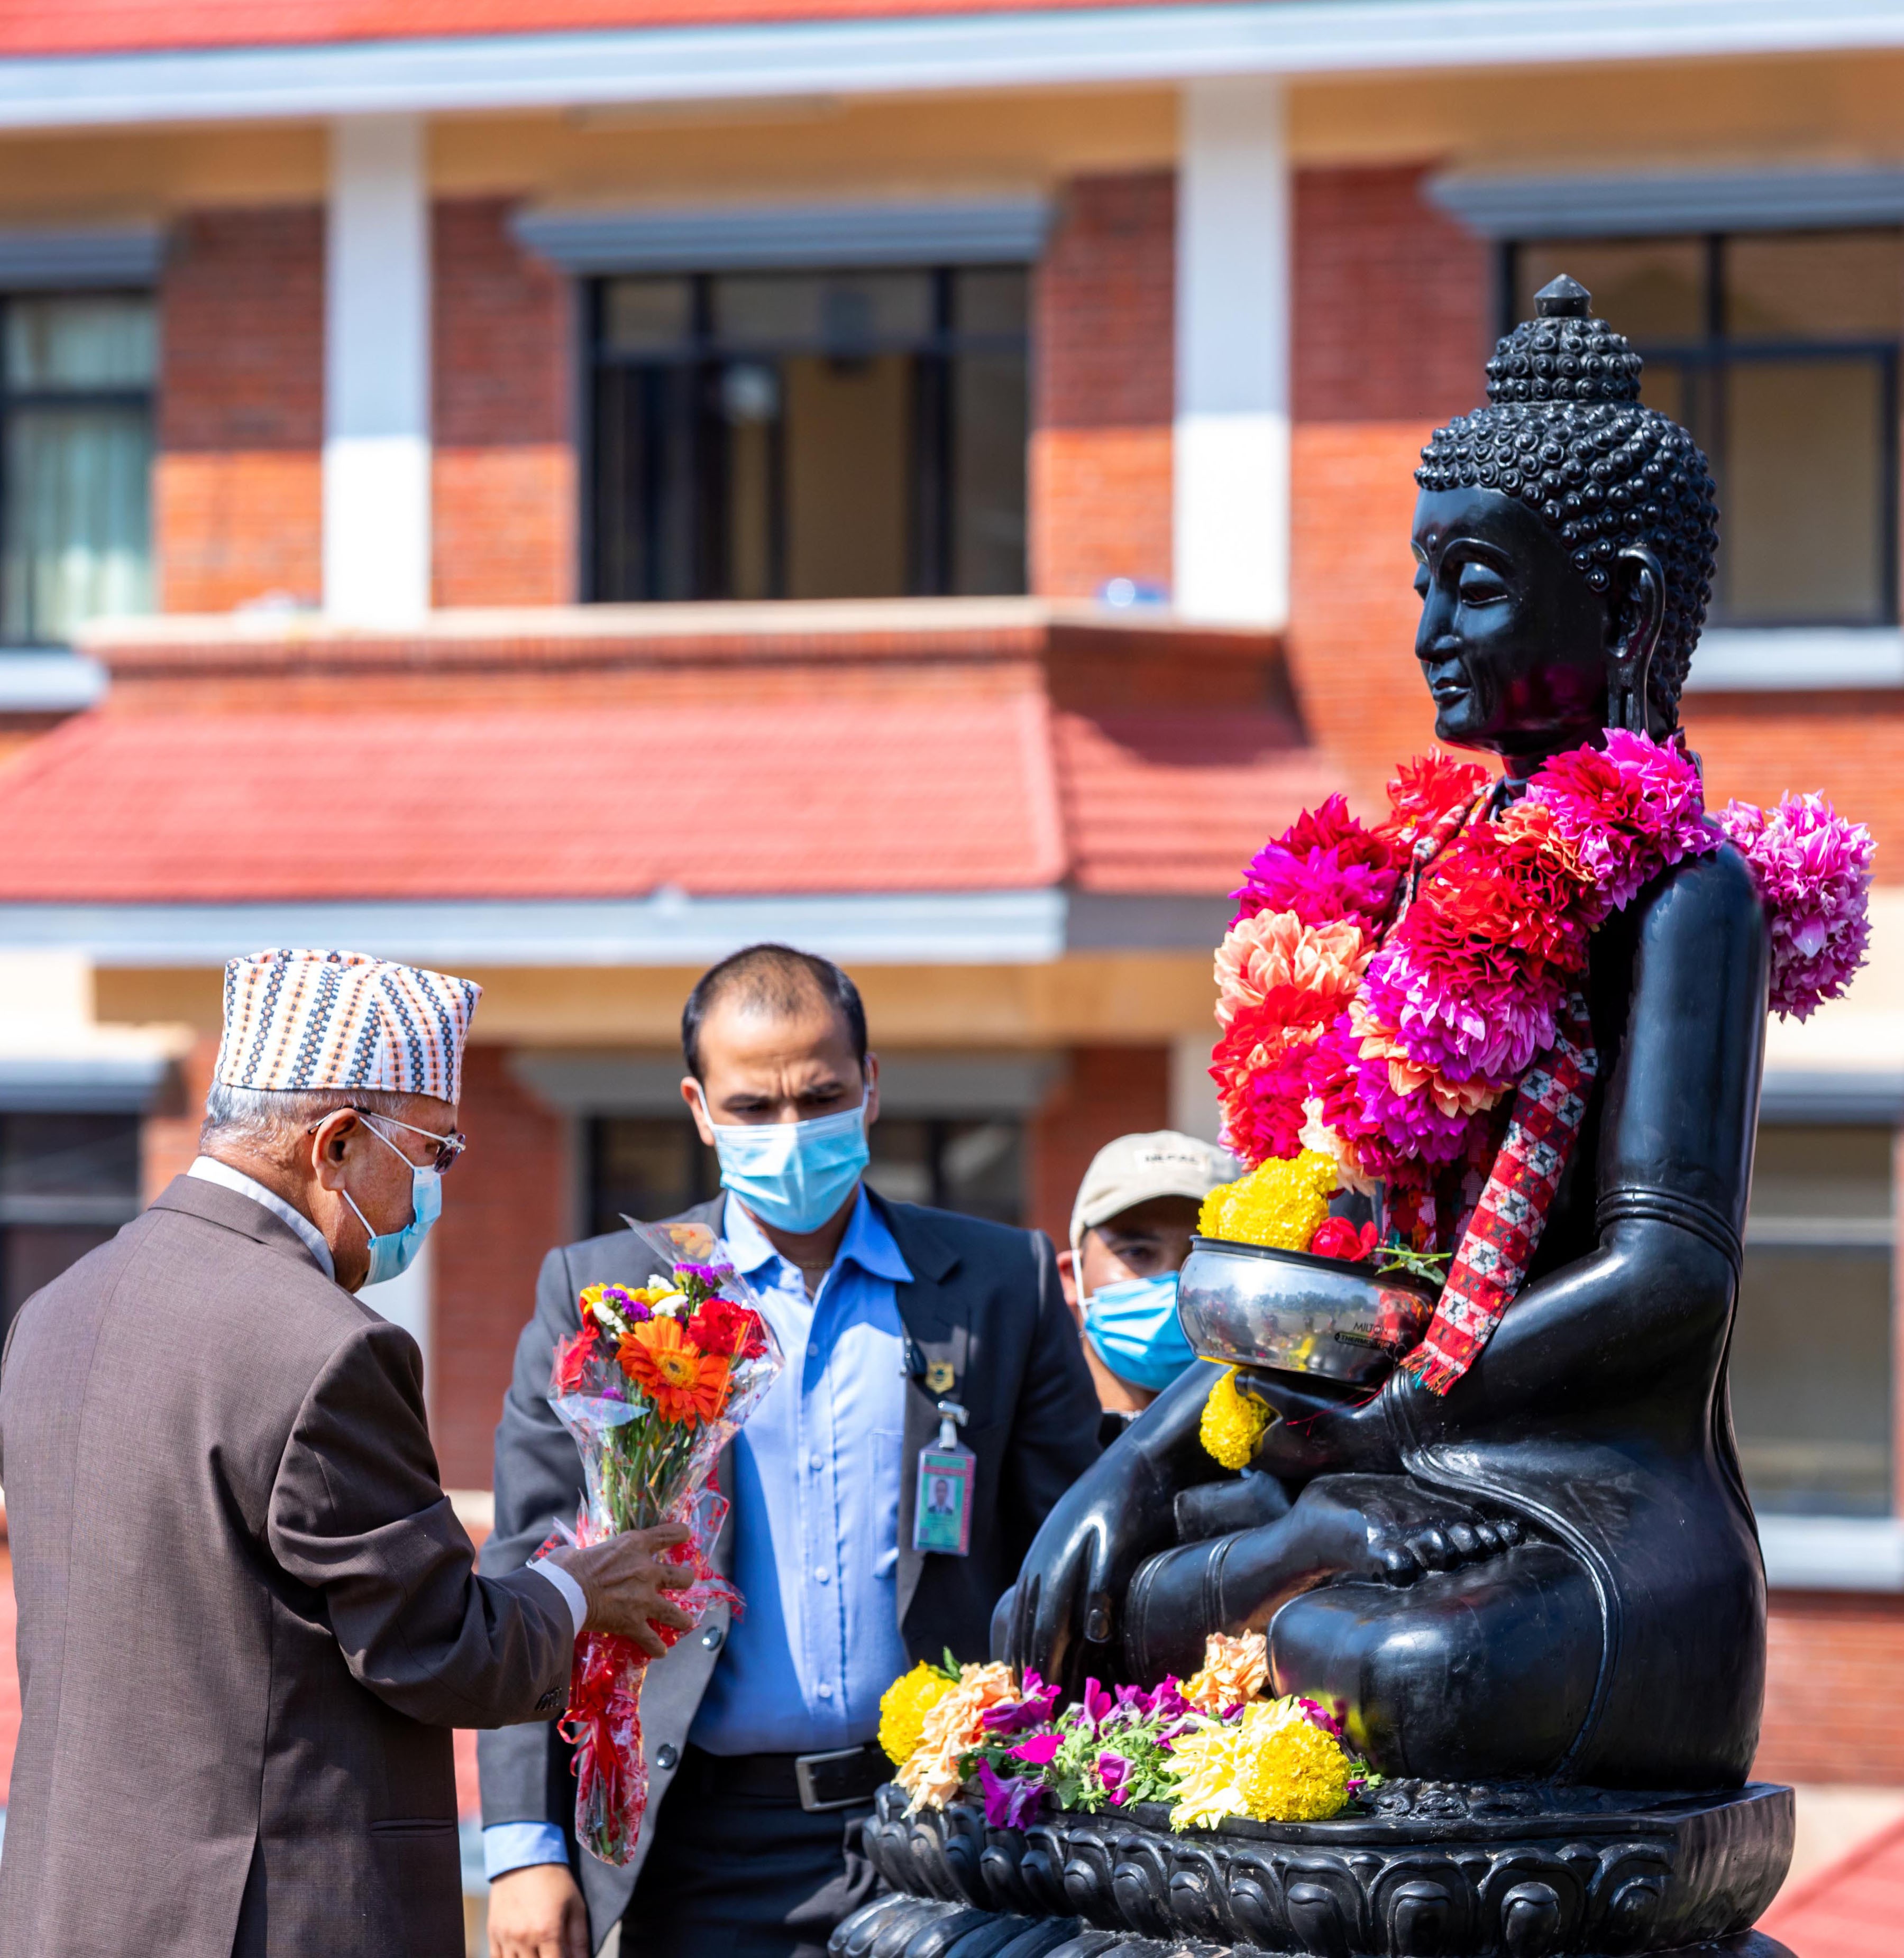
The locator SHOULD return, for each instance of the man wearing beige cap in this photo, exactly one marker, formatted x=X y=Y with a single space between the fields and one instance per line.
x=1131 y=1228
x=247 y=1619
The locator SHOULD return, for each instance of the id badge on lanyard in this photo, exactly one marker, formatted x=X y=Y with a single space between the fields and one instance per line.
x=942 y=1513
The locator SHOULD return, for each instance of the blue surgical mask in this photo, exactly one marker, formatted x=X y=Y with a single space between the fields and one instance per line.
x=1134 y=1326
x=793 y=1175
x=394 y=1251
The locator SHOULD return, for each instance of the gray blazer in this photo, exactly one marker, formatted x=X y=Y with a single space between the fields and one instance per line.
x=984 y=1300
x=248 y=1620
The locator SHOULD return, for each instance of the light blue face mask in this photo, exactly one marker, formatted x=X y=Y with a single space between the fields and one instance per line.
x=394 y=1251
x=793 y=1175
x=1134 y=1326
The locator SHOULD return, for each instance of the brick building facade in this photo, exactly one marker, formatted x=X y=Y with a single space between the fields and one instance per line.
x=999 y=296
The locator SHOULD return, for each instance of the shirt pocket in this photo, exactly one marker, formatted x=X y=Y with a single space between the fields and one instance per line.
x=886 y=1468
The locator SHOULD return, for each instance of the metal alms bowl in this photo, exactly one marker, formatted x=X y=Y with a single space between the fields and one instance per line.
x=1250 y=1306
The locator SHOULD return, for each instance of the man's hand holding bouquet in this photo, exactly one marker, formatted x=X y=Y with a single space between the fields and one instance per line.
x=653 y=1387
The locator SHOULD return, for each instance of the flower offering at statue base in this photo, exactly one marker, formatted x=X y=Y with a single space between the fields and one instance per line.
x=653 y=1387
x=1208 y=1747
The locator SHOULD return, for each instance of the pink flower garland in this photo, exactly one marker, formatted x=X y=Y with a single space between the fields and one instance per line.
x=1388 y=1024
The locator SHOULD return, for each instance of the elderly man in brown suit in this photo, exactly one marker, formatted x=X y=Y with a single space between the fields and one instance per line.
x=247 y=1619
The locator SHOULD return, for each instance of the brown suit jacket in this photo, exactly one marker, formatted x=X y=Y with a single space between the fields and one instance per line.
x=247 y=1619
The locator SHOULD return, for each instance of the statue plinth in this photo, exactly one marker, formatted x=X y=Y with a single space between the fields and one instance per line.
x=1521 y=1871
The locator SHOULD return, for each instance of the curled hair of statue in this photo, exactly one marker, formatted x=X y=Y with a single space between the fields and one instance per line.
x=1565 y=431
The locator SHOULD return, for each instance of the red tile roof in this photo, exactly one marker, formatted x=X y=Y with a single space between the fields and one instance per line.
x=103 y=27
x=1179 y=800
x=932 y=791
x=937 y=795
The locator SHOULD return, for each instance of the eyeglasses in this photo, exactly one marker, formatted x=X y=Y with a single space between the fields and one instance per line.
x=448 y=1147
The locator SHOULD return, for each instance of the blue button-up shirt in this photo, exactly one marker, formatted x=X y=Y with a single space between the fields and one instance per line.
x=815 y=1477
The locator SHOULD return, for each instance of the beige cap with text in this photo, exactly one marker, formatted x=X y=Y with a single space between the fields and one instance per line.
x=1134 y=1169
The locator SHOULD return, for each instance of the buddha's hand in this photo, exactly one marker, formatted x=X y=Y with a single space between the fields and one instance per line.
x=1065 y=1620
x=1399 y=1531
x=1320 y=1430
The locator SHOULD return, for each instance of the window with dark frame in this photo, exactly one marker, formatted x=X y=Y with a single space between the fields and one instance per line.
x=1779 y=352
x=650 y=1167
x=1811 y=1361
x=76 y=373
x=808 y=435
x=67 y=1183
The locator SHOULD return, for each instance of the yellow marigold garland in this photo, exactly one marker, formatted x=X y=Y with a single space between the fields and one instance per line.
x=1279 y=1204
x=1272 y=1765
x=903 y=1709
x=1232 y=1421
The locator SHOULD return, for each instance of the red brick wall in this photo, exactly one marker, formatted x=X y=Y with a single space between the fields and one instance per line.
x=1833 y=1710
x=1107 y=1092
x=504 y=473
x=238 y=486
x=1390 y=332
x=506 y=1203
x=1103 y=387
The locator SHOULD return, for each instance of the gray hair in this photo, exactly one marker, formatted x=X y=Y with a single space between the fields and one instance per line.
x=269 y=1120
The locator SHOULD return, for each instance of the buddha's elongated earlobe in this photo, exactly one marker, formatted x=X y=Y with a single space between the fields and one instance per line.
x=1641 y=613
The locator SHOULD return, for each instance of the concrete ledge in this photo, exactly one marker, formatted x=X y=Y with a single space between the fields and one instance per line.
x=1797 y=659
x=1832 y=1553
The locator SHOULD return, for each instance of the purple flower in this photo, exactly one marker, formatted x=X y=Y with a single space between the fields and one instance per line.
x=1011 y=1801
x=709 y=1274
x=1113 y=1770
x=1319 y=1716
x=1096 y=1702
x=1038 y=1749
x=631 y=1308
x=1035 y=1705
x=1814 y=872
x=1629 y=809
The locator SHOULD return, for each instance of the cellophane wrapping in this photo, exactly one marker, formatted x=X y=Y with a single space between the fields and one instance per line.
x=655 y=1385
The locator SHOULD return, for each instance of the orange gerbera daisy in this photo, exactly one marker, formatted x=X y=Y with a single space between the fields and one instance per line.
x=683 y=1383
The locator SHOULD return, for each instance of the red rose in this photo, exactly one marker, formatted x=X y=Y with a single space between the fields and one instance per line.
x=1337 y=1237
x=721 y=1326
x=572 y=1358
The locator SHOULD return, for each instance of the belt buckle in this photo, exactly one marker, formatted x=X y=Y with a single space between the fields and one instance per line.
x=827 y=1782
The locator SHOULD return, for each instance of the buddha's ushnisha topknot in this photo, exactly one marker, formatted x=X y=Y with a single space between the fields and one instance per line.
x=1564 y=431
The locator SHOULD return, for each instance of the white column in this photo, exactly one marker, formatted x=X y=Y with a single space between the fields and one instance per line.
x=1232 y=513
x=377 y=373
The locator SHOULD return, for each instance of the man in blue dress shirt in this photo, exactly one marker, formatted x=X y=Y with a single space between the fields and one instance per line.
x=760 y=1732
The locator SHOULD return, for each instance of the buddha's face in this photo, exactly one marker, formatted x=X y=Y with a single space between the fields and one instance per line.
x=1513 y=642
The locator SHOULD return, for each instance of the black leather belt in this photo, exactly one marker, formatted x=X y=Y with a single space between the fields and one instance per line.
x=846 y=1778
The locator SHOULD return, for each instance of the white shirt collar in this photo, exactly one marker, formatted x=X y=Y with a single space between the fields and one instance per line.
x=209 y=1169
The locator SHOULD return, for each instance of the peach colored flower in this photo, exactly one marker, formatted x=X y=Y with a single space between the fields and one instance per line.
x=1405 y=1076
x=1234 y=1672
x=951 y=1729
x=1275 y=949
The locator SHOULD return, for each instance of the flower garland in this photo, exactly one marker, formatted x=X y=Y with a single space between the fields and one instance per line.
x=1383 y=992
x=1210 y=1748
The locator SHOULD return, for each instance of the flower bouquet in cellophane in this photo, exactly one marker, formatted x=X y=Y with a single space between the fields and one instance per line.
x=653 y=1387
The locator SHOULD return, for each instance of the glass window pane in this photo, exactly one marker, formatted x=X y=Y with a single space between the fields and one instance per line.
x=1838 y=285
x=991 y=300
x=48 y=1158
x=646 y=1167
x=76 y=539
x=989 y=396
x=1801 y=496
x=902 y=1166
x=981 y=1169
x=847 y=486
x=841 y=312
x=1811 y=1380
x=1801 y=1171
x=104 y=341
x=647 y=315
x=1652 y=288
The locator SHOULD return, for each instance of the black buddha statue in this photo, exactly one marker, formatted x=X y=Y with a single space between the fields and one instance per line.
x=1550 y=1574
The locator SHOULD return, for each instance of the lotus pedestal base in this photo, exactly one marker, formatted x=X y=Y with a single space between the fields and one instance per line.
x=1443 y=1872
